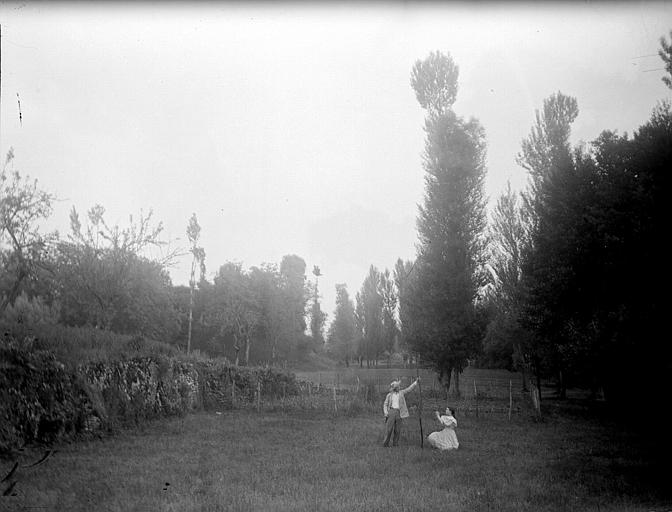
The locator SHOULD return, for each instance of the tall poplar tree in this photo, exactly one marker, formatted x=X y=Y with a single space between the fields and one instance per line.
x=317 y=316
x=197 y=260
x=451 y=221
x=505 y=340
x=404 y=279
x=343 y=330
x=370 y=312
x=390 y=329
x=553 y=199
x=665 y=53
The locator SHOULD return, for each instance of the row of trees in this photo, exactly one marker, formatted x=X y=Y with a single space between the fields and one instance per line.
x=95 y=276
x=258 y=314
x=565 y=282
x=368 y=330
x=116 y=279
x=578 y=276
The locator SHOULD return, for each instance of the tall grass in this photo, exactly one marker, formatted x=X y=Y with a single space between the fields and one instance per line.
x=241 y=460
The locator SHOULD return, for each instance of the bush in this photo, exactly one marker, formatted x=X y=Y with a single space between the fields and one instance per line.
x=44 y=400
x=27 y=311
x=74 y=346
x=41 y=400
x=217 y=376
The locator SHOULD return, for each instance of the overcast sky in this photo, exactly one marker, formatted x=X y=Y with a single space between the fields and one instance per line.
x=292 y=128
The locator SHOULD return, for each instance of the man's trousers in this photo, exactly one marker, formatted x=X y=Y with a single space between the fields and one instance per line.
x=392 y=427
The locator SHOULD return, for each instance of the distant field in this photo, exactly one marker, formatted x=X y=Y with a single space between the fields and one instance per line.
x=244 y=461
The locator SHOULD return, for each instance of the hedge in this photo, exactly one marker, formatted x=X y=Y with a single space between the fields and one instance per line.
x=43 y=400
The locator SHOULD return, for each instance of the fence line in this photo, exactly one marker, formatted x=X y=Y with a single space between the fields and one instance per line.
x=494 y=387
x=366 y=396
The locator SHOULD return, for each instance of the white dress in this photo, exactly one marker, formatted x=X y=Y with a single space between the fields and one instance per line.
x=446 y=438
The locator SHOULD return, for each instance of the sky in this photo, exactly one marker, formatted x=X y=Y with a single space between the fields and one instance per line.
x=292 y=128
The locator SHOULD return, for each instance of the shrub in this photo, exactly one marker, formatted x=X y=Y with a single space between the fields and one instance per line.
x=30 y=311
x=41 y=401
x=217 y=376
x=74 y=346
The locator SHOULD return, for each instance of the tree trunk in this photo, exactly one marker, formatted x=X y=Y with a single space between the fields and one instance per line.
x=562 y=385
x=446 y=381
x=191 y=314
x=538 y=376
x=14 y=293
x=456 y=373
x=523 y=371
x=247 y=350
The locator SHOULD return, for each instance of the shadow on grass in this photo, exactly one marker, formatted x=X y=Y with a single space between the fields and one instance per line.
x=610 y=454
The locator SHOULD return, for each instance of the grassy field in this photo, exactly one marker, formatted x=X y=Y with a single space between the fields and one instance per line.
x=242 y=460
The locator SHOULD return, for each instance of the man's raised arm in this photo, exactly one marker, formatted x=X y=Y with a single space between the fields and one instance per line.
x=411 y=387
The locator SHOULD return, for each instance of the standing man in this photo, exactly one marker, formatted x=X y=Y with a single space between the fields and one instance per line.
x=395 y=410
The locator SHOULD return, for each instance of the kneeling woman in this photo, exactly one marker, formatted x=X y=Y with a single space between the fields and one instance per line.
x=446 y=438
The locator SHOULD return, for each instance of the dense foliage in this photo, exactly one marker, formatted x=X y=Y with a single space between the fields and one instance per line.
x=43 y=400
x=443 y=298
x=115 y=279
x=342 y=336
x=578 y=278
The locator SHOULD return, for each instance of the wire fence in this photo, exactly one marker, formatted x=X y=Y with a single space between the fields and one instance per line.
x=472 y=381
x=482 y=392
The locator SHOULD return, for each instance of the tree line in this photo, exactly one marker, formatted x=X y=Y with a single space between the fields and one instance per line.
x=561 y=280
x=116 y=279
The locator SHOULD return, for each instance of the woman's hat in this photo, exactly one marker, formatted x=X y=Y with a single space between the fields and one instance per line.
x=395 y=384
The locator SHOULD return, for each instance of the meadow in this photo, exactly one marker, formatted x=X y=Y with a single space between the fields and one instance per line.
x=574 y=459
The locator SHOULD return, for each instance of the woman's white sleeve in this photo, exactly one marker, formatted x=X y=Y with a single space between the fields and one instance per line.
x=448 y=421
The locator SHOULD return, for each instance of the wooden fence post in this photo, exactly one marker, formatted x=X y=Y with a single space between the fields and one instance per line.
x=476 y=396
x=258 y=395
x=233 y=389
x=534 y=392
x=510 y=400
x=284 y=392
